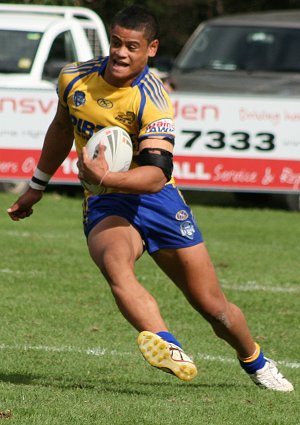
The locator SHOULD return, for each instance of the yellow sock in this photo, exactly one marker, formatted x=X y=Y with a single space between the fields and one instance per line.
x=255 y=362
x=254 y=355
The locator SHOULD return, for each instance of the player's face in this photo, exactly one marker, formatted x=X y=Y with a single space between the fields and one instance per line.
x=129 y=53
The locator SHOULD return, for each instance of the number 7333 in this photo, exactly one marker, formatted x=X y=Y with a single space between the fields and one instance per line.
x=236 y=140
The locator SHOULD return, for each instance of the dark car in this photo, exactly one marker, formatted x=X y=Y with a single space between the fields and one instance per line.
x=256 y=53
x=250 y=57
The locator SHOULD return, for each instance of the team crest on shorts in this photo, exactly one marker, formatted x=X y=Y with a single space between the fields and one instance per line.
x=181 y=215
x=79 y=98
x=187 y=229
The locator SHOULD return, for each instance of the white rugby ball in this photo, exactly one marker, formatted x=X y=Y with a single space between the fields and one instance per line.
x=118 y=152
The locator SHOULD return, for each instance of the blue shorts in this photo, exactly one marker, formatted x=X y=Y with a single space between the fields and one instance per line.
x=163 y=219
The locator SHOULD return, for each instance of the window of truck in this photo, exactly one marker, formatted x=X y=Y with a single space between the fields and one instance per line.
x=63 y=48
x=19 y=59
x=62 y=51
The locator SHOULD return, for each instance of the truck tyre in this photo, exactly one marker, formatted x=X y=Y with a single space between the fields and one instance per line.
x=248 y=199
x=17 y=188
x=292 y=202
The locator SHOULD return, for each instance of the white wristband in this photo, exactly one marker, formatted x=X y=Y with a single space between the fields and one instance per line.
x=39 y=180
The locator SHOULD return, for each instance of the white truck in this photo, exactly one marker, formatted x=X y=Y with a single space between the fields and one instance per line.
x=35 y=43
x=236 y=97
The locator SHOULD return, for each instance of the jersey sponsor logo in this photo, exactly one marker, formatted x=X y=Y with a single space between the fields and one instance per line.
x=83 y=127
x=161 y=126
x=79 y=98
x=181 y=215
x=126 y=118
x=187 y=229
x=105 y=103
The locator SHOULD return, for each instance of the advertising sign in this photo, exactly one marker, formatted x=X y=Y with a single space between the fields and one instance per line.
x=226 y=143
x=24 y=118
x=237 y=143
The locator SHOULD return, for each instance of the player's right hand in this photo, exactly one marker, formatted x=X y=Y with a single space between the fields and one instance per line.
x=22 y=208
x=92 y=170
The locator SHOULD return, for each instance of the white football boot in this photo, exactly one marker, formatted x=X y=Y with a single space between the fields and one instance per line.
x=270 y=377
x=166 y=356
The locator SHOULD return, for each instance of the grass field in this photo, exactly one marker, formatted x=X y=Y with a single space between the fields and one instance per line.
x=68 y=357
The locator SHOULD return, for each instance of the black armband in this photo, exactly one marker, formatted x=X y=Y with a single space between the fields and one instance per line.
x=164 y=160
x=169 y=139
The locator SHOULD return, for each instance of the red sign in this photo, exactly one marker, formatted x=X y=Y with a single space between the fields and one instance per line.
x=189 y=171
x=237 y=173
x=20 y=164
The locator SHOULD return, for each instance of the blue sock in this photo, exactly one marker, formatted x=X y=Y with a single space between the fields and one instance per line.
x=169 y=338
x=252 y=366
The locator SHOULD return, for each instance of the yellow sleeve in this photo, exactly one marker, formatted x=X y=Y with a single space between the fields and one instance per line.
x=157 y=111
x=66 y=75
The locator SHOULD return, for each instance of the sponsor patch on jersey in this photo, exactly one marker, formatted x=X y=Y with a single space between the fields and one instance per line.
x=161 y=126
x=105 y=103
x=126 y=118
x=181 y=215
x=187 y=229
x=79 y=98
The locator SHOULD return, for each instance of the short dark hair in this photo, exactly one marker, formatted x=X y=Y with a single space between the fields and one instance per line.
x=138 y=18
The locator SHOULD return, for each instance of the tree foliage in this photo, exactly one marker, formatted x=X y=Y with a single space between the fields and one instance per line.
x=178 y=18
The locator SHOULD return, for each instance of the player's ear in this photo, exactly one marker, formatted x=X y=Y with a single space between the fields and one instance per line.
x=152 y=48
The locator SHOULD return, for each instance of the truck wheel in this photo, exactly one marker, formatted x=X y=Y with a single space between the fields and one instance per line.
x=248 y=199
x=292 y=202
x=16 y=188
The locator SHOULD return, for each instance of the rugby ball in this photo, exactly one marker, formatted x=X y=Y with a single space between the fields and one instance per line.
x=118 y=152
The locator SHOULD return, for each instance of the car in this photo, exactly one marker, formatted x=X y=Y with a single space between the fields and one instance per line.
x=235 y=88
x=255 y=53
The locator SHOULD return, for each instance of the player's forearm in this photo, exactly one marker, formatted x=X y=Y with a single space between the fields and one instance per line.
x=57 y=145
x=146 y=179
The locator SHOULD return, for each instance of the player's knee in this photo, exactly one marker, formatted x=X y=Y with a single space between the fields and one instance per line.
x=217 y=317
x=212 y=308
x=220 y=322
x=109 y=266
x=216 y=312
x=115 y=272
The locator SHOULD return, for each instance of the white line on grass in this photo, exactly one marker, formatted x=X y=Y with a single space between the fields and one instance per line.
x=18 y=234
x=244 y=287
x=22 y=273
x=208 y=357
x=100 y=352
x=255 y=286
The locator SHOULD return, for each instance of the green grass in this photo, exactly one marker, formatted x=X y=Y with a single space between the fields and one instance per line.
x=68 y=356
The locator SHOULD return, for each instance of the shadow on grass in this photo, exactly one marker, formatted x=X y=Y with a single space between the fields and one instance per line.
x=16 y=379
x=243 y=200
x=129 y=387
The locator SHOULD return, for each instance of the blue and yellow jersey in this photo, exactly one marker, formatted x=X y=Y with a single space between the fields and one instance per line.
x=144 y=109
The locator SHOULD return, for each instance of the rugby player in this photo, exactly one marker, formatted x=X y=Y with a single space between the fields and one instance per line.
x=142 y=209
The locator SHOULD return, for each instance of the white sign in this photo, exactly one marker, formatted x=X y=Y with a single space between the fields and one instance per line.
x=223 y=126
